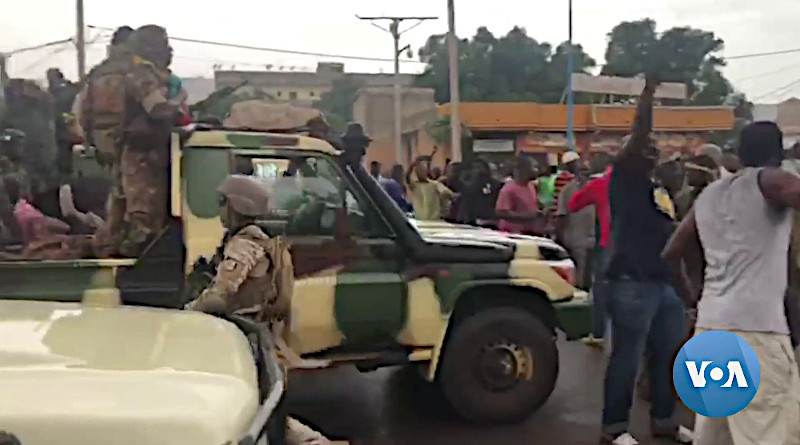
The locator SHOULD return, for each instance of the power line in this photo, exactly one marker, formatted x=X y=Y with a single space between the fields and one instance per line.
x=771 y=53
x=275 y=50
x=43 y=45
x=394 y=30
x=769 y=73
x=267 y=66
x=37 y=62
x=784 y=88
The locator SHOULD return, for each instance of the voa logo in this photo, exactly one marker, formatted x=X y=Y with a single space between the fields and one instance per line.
x=716 y=374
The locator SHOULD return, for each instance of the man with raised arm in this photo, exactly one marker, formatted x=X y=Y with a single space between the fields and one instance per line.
x=645 y=311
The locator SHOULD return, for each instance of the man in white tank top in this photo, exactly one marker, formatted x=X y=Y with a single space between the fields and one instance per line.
x=739 y=231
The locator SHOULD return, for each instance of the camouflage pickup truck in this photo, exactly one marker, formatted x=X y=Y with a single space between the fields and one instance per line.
x=478 y=310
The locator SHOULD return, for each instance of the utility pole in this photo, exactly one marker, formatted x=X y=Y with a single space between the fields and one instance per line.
x=3 y=71
x=570 y=95
x=80 y=41
x=455 y=96
x=394 y=30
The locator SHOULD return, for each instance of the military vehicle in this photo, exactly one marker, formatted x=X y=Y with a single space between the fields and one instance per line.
x=478 y=310
x=96 y=372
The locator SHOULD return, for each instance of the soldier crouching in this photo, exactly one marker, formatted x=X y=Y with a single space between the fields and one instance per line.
x=255 y=277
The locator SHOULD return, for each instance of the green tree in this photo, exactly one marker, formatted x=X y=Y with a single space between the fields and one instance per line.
x=337 y=104
x=515 y=67
x=557 y=69
x=681 y=54
x=630 y=48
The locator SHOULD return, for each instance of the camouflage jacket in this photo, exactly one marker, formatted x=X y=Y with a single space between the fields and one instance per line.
x=255 y=277
x=145 y=104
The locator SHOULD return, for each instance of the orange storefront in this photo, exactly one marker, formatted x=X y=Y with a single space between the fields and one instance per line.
x=540 y=129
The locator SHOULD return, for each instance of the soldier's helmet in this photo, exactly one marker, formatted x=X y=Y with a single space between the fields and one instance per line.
x=246 y=195
x=147 y=36
x=151 y=43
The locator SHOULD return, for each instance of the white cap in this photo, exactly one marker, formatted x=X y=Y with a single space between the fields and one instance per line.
x=570 y=156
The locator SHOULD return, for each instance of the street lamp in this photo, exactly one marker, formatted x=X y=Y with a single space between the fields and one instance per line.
x=394 y=30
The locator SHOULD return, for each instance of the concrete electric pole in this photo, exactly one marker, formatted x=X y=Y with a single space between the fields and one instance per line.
x=394 y=30
x=455 y=97
x=80 y=41
x=3 y=71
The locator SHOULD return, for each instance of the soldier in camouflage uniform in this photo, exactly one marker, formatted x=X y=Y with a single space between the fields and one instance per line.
x=30 y=109
x=11 y=141
x=139 y=197
x=255 y=277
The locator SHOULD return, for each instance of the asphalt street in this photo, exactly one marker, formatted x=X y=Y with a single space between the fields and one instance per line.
x=395 y=406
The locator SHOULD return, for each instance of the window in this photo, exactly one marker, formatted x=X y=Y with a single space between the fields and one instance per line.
x=292 y=95
x=309 y=196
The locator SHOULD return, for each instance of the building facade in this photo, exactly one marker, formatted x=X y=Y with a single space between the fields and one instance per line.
x=502 y=130
x=303 y=88
x=374 y=109
x=786 y=114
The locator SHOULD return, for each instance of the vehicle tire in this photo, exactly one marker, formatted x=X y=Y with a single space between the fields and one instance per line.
x=499 y=366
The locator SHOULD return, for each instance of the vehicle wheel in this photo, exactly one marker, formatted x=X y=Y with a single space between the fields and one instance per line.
x=500 y=365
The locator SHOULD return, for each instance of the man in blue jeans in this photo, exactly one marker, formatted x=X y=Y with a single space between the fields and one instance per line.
x=646 y=313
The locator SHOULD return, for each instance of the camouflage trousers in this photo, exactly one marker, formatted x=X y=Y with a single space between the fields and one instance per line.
x=137 y=205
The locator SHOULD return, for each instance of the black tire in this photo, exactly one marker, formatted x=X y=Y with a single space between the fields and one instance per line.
x=464 y=382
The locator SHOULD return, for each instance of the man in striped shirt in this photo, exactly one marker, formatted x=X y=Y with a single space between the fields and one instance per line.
x=570 y=164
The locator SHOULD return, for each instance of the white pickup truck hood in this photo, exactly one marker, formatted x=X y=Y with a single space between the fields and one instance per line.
x=525 y=246
x=74 y=375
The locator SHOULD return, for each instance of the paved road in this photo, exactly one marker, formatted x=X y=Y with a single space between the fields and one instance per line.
x=394 y=406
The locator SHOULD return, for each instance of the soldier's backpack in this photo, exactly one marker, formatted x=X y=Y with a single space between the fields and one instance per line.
x=103 y=106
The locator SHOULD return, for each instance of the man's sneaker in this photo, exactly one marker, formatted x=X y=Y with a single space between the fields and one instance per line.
x=591 y=340
x=680 y=434
x=618 y=439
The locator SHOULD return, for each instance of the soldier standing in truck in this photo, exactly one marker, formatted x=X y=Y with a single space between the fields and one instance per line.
x=126 y=103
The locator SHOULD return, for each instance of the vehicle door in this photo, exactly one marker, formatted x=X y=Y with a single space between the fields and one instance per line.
x=349 y=290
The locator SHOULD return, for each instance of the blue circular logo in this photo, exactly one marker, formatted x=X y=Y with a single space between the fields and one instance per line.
x=716 y=374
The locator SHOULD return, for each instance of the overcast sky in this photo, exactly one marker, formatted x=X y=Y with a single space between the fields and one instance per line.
x=326 y=26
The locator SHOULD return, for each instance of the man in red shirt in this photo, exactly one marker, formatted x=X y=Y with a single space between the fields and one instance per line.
x=595 y=193
x=517 y=208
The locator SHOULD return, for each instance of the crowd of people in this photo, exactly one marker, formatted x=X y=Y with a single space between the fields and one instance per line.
x=645 y=230
x=125 y=110
x=668 y=244
x=568 y=202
